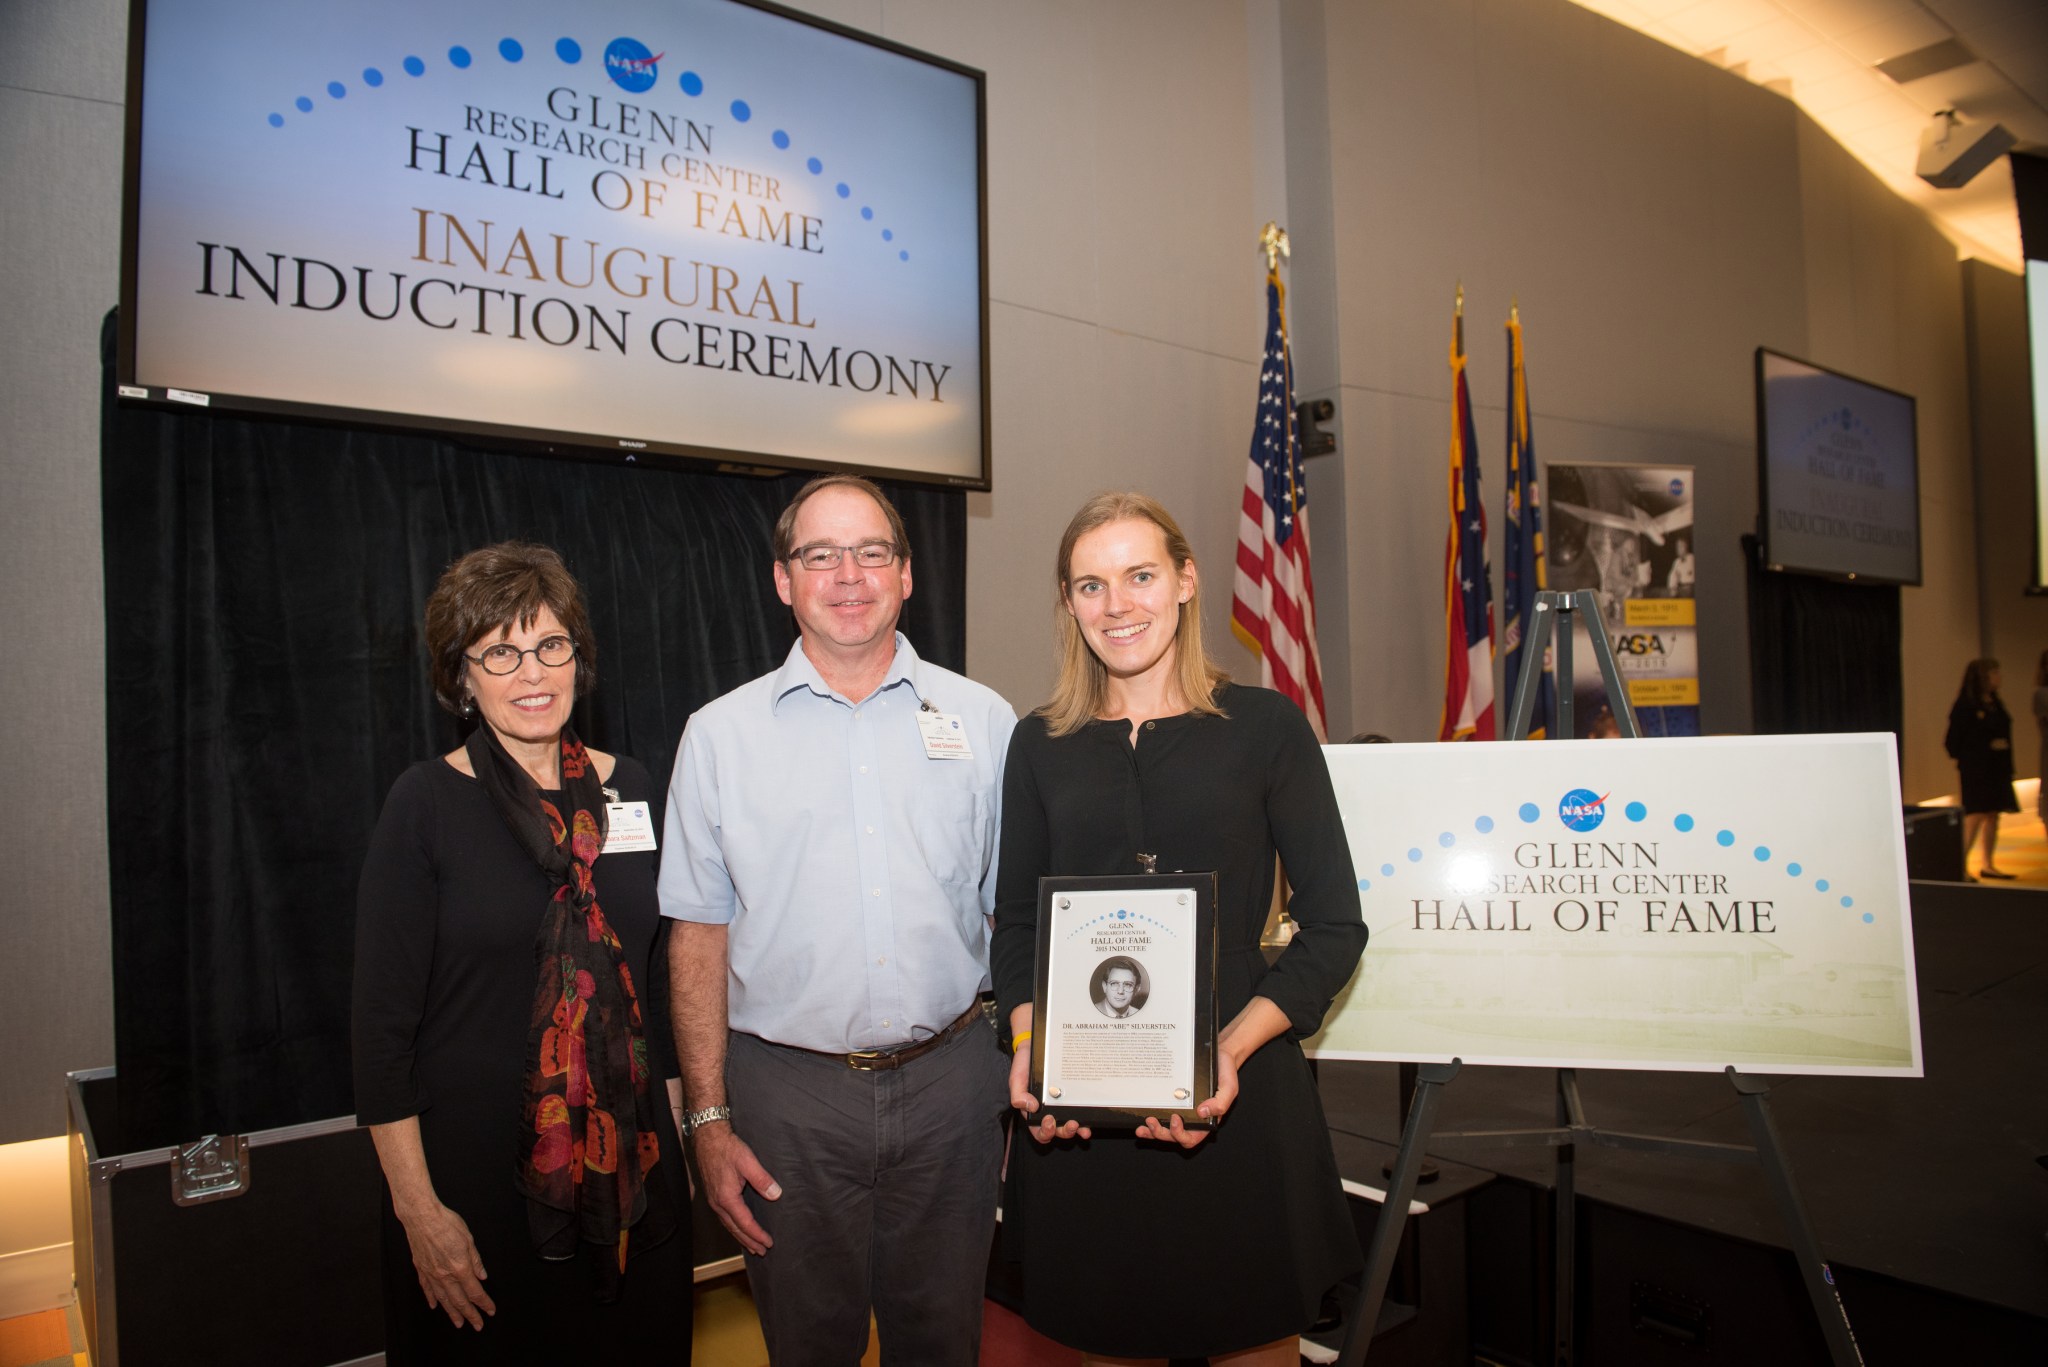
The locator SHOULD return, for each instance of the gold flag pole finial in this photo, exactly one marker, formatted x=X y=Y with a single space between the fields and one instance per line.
x=1273 y=241
x=1514 y=309
x=1458 y=323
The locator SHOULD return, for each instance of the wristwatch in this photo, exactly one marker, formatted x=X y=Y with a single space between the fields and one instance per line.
x=696 y=1120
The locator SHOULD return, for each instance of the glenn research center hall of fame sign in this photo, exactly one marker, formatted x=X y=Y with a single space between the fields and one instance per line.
x=1643 y=904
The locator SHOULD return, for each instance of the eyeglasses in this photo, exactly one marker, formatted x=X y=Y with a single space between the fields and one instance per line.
x=503 y=658
x=869 y=555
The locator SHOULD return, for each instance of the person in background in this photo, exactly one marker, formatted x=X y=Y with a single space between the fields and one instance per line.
x=2041 y=721
x=535 y=1204
x=1979 y=740
x=831 y=871
x=1145 y=746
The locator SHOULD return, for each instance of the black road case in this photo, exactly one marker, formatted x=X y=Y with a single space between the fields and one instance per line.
x=256 y=1250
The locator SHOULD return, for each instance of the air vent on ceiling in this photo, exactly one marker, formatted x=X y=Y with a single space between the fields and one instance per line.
x=1945 y=55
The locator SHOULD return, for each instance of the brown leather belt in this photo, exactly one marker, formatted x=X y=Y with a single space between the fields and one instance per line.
x=883 y=1060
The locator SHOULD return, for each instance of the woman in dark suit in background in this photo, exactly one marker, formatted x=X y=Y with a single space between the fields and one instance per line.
x=1980 y=741
x=2041 y=721
x=504 y=1044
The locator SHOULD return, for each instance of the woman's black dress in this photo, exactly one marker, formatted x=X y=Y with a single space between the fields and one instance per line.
x=446 y=921
x=1140 y=1249
x=1980 y=741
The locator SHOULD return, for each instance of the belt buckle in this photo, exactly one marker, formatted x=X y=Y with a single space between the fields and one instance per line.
x=869 y=1061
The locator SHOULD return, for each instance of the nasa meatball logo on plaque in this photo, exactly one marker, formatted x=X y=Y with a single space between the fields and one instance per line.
x=1125 y=1001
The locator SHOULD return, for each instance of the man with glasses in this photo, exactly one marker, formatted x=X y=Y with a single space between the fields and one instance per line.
x=831 y=869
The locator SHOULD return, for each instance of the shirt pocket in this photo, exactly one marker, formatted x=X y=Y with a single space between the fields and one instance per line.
x=952 y=829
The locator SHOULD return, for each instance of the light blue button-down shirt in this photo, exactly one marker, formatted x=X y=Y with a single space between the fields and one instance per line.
x=855 y=875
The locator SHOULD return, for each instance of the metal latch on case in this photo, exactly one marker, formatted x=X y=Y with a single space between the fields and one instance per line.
x=210 y=1169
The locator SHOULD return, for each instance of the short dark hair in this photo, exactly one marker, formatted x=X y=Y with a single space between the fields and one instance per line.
x=1100 y=979
x=485 y=593
x=785 y=526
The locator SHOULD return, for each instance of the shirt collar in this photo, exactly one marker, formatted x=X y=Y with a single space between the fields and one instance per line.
x=798 y=672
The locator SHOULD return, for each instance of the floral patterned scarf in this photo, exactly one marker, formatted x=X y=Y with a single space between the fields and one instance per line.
x=587 y=1138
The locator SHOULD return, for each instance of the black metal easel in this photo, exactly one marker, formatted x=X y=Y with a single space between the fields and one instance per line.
x=1553 y=619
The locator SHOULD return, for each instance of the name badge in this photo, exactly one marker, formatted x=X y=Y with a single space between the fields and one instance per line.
x=629 y=828
x=944 y=736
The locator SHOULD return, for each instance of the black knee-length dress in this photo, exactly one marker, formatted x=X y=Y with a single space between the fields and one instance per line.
x=446 y=921
x=1979 y=739
x=1139 y=1249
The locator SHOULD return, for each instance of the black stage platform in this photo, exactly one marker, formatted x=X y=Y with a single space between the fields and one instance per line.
x=1928 y=1195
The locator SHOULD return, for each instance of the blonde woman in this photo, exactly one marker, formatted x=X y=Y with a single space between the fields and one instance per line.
x=1147 y=746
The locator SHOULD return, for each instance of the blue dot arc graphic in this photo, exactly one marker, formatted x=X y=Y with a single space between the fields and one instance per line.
x=513 y=50
x=1683 y=822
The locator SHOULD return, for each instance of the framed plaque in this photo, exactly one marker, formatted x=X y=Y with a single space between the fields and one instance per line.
x=1124 y=1007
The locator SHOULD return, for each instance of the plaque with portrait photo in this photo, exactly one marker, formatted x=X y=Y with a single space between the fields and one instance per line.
x=1125 y=999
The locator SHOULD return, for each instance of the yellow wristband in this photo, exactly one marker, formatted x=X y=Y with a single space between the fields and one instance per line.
x=1017 y=1040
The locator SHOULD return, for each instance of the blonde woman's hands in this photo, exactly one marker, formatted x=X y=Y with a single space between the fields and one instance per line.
x=1043 y=1129
x=1249 y=1031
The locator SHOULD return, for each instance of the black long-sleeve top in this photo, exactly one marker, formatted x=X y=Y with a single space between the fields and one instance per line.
x=1201 y=792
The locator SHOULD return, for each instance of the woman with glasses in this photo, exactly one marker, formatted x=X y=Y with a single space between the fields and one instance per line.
x=1145 y=746
x=506 y=1045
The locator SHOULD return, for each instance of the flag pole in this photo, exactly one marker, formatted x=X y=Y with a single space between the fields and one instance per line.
x=1273 y=241
x=1272 y=608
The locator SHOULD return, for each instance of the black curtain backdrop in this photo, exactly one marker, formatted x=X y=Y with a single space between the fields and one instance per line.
x=267 y=682
x=1823 y=655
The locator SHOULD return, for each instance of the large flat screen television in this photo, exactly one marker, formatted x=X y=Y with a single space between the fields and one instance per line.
x=2030 y=189
x=1838 y=473
x=707 y=229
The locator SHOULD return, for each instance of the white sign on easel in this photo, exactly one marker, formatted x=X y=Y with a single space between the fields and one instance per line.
x=1650 y=904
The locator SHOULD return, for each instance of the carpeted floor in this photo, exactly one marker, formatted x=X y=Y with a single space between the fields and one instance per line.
x=2022 y=849
x=729 y=1335
x=47 y=1338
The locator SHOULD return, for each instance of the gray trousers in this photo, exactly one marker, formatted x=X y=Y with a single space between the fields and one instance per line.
x=889 y=1189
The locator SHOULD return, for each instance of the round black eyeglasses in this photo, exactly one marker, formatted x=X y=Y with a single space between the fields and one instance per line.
x=504 y=657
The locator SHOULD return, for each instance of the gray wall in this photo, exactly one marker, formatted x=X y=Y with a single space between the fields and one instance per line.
x=1656 y=219
x=2014 y=627
x=60 y=216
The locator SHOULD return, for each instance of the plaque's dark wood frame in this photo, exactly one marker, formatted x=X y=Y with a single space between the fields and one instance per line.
x=1203 y=886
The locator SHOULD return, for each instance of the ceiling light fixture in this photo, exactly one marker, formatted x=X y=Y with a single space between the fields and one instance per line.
x=1953 y=152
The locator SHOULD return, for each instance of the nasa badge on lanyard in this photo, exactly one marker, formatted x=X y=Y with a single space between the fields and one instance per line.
x=944 y=736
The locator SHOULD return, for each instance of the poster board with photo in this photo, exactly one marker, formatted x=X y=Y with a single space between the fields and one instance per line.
x=1626 y=533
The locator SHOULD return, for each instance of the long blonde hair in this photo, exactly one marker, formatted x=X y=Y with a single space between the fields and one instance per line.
x=1082 y=689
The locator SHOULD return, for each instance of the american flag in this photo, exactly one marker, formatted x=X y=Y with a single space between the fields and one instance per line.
x=1468 y=588
x=1273 y=610
x=1524 y=570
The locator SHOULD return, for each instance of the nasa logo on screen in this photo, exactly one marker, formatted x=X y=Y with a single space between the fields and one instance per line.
x=631 y=66
x=1582 y=809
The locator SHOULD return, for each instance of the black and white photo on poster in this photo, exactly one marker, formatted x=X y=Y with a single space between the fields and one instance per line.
x=1626 y=532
